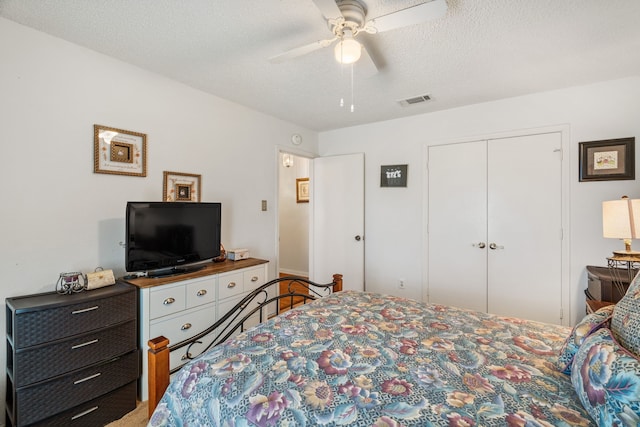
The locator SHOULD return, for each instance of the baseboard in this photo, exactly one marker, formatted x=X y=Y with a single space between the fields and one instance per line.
x=287 y=272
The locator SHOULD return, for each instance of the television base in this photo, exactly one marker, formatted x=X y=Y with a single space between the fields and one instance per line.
x=173 y=271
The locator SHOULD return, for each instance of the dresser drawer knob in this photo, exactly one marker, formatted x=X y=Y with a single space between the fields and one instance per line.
x=83 y=344
x=254 y=279
x=82 y=414
x=186 y=326
x=231 y=285
x=85 y=310
x=90 y=377
x=169 y=300
x=202 y=292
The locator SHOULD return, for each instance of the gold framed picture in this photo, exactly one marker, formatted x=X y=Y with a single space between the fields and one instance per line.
x=302 y=190
x=119 y=152
x=181 y=187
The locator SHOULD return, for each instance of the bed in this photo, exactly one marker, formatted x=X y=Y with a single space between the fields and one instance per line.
x=367 y=359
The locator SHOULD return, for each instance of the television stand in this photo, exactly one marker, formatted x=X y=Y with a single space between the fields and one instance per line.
x=174 y=271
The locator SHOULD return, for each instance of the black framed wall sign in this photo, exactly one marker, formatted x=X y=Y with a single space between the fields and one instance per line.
x=393 y=175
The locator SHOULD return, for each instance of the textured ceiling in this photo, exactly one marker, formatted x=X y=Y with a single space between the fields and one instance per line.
x=481 y=50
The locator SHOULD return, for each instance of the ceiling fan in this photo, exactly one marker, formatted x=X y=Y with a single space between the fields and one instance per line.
x=348 y=18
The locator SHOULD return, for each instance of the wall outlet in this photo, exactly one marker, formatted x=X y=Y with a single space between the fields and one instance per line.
x=401 y=284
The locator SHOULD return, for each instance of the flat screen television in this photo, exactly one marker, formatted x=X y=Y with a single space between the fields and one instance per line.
x=164 y=238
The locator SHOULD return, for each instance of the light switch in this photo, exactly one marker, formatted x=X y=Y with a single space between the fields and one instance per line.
x=264 y=205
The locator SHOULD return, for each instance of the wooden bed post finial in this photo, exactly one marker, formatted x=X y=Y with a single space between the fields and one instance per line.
x=337 y=279
x=158 y=375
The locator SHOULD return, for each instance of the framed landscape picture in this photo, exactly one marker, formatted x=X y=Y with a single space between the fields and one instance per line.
x=606 y=160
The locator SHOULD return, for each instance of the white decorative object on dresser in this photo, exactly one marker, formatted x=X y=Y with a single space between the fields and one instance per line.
x=178 y=307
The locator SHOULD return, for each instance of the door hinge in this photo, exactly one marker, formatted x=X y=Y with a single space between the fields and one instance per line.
x=559 y=150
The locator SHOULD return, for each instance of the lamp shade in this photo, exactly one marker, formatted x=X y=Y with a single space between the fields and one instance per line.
x=621 y=218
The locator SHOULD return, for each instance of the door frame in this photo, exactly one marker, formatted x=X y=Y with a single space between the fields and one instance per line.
x=564 y=130
x=282 y=149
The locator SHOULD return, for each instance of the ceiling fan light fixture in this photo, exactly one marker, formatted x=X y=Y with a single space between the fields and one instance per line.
x=348 y=50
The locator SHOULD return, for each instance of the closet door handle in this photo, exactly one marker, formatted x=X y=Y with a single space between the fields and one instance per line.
x=480 y=245
x=494 y=246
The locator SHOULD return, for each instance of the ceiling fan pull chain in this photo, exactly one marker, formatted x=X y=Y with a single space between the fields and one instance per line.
x=352 y=100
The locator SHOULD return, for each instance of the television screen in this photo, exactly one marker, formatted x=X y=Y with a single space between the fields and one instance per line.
x=168 y=236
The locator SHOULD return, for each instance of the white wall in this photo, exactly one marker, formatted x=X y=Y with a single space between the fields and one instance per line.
x=393 y=217
x=57 y=215
x=294 y=220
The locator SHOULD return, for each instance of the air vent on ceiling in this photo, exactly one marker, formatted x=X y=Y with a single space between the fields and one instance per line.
x=414 y=100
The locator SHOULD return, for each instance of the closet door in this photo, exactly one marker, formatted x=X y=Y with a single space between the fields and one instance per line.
x=457 y=223
x=495 y=226
x=524 y=194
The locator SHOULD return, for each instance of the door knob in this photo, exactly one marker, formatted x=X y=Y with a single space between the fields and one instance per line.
x=358 y=238
x=494 y=246
x=480 y=245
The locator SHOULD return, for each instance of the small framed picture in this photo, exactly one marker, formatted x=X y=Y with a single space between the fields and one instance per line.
x=119 y=152
x=393 y=176
x=181 y=187
x=606 y=160
x=302 y=190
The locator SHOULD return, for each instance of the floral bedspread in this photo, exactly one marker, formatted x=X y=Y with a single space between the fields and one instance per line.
x=366 y=359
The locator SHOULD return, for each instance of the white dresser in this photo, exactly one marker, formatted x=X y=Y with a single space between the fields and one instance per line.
x=178 y=307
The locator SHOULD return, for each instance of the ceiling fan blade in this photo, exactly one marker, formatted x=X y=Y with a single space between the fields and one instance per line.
x=412 y=15
x=301 y=50
x=365 y=65
x=328 y=8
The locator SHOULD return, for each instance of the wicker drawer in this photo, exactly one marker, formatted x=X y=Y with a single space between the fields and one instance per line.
x=41 y=362
x=97 y=412
x=39 y=401
x=60 y=316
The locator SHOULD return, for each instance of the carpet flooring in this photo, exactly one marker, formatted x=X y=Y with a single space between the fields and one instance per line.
x=136 y=418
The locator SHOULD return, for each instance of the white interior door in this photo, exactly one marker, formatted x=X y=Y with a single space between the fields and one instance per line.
x=337 y=230
x=457 y=223
x=525 y=226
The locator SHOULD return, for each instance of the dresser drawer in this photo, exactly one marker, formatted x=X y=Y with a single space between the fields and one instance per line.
x=38 y=363
x=167 y=300
x=97 y=412
x=230 y=285
x=45 y=325
x=253 y=278
x=182 y=327
x=201 y=292
x=42 y=400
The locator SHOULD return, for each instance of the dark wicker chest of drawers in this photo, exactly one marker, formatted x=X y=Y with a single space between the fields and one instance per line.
x=72 y=359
